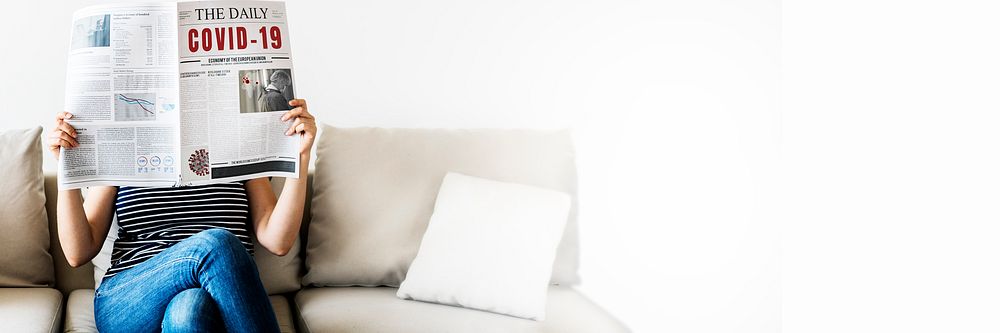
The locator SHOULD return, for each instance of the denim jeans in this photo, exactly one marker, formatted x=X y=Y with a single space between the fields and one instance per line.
x=205 y=283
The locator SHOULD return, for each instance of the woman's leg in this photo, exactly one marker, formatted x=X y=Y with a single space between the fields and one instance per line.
x=214 y=260
x=229 y=274
x=192 y=310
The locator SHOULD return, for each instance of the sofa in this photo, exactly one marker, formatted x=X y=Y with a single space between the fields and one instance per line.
x=342 y=273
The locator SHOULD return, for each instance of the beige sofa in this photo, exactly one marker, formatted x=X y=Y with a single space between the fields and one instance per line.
x=301 y=306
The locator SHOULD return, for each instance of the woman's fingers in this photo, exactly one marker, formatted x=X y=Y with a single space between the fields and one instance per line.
x=63 y=135
x=55 y=142
x=300 y=112
x=66 y=144
x=66 y=127
x=61 y=116
x=68 y=139
x=301 y=125
x=295 y=126
x=291 y=114
x=63 y=132
x=304 y=122
x=60 y=139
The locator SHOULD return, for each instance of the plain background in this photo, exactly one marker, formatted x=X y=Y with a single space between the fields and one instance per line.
x=891 y=173
x=745 y=166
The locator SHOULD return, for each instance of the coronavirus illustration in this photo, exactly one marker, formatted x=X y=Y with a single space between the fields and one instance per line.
x=198 y=162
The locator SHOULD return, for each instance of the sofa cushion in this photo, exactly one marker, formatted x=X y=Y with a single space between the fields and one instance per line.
x=30 y=309
x=80 y=312
x=24 y=242
x=362 y=309
x=375 y=190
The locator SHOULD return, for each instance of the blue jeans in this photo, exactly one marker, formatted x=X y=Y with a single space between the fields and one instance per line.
x=205 y=283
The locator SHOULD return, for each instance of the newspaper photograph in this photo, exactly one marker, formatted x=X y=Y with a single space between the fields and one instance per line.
x=178 y=94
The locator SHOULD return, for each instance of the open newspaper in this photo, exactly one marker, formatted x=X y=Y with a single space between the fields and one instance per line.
x=177 y=94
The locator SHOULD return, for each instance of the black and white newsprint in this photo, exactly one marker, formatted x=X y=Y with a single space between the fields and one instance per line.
x=178 y=94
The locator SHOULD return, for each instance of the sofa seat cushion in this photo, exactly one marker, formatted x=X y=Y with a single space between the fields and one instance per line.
x=30 y=309
x=364 y=309
x=80 y=312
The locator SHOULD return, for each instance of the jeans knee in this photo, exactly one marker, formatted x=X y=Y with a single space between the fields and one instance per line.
x=190 y=310
x=219 y=238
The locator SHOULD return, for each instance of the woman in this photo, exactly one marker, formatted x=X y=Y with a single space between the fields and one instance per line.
x=183 y=260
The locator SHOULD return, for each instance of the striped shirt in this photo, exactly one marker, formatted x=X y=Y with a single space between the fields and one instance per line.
x=151 y=219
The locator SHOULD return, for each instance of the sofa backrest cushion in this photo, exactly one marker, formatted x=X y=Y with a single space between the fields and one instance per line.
x=24 y=242
x=375 y=190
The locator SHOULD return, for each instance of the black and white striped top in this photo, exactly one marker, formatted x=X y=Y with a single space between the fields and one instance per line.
x=151 y=219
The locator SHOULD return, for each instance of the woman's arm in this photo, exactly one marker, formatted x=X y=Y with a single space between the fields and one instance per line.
x=277 y=220
x=83 y=226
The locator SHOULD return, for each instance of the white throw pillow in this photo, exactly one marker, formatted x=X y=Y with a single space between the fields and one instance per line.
x=490 y=246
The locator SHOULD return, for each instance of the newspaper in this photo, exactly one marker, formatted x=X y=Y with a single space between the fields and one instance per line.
x=177 y=94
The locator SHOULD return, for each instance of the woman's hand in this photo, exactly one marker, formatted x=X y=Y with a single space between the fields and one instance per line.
x=304 y=124
x=63 y=135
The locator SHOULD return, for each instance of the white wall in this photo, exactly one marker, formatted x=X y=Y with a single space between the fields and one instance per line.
x=674 y=105
x=892 y=168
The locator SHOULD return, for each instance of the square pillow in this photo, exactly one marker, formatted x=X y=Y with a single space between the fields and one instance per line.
x=489 y=246
x=24 y=242
x=375 y=190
